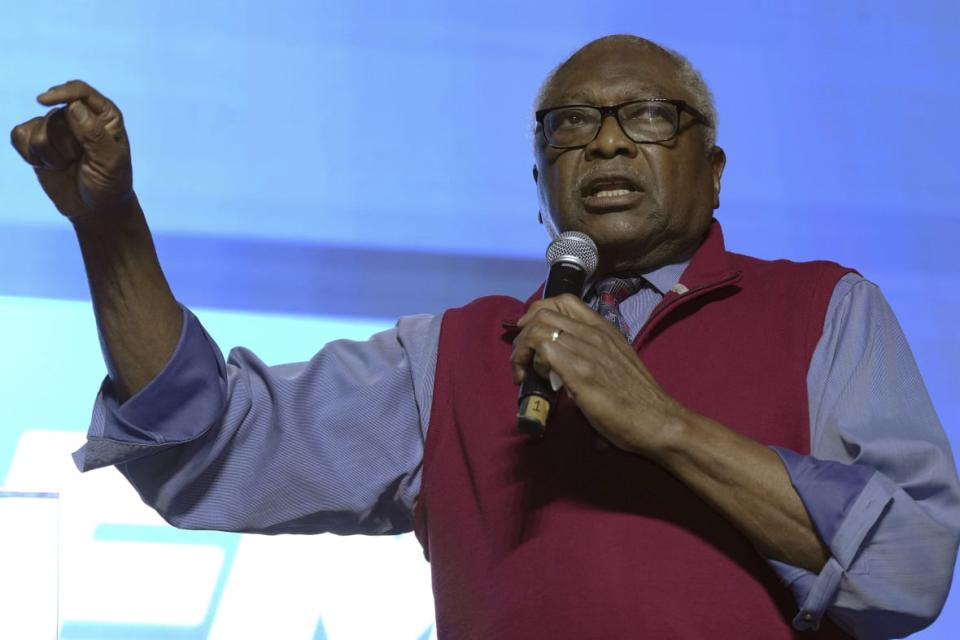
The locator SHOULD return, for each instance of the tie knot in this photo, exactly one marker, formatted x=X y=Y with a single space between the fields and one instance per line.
x=610 y=293
x=616 y=290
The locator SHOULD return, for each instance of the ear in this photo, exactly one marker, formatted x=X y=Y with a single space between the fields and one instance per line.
x=536 y=178
x=718 y=160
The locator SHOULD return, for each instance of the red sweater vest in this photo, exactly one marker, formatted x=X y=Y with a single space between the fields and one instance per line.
x=564 y=539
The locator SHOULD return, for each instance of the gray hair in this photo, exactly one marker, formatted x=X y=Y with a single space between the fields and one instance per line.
x=688 y=75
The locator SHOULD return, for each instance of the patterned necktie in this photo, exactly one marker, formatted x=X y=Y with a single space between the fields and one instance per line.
x=610 y=293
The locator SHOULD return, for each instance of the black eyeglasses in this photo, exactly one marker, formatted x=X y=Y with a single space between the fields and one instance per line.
x=576 y=125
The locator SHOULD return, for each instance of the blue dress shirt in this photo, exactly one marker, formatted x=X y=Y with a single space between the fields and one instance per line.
x=336 y=444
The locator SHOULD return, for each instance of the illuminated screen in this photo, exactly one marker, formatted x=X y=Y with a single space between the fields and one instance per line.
x=313 y=170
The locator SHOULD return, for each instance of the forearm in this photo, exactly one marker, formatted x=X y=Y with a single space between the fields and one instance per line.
x=747 y=483
x=137 y=314
x=744 y=480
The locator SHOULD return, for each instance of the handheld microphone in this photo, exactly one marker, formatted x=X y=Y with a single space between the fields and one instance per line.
x=572 y=257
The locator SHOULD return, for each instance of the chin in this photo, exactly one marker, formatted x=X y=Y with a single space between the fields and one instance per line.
x=624 y=232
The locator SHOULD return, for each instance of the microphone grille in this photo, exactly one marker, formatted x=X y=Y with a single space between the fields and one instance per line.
x=576 y=247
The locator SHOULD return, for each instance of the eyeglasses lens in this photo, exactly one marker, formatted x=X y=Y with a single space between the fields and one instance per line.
x=643 y=121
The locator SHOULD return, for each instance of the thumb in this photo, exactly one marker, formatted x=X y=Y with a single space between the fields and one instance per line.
x=83 y=123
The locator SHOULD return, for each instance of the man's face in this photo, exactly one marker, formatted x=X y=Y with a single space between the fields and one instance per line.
x=673 y=186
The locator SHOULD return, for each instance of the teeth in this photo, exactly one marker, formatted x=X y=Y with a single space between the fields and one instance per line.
x=612 y=193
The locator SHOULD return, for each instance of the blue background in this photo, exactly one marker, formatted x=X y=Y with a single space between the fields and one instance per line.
x=357 y=161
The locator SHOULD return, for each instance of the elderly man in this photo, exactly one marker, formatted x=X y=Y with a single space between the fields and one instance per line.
x=726 y=422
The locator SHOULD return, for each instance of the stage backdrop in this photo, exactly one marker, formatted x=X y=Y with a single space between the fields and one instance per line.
x=312 y=170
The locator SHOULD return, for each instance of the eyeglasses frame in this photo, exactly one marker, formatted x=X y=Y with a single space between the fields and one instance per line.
x=613 y=110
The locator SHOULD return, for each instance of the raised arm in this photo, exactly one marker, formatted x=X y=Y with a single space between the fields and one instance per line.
x=332 y=444
x=81 y=155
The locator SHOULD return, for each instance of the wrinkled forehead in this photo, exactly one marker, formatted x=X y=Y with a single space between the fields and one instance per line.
x=614 y=75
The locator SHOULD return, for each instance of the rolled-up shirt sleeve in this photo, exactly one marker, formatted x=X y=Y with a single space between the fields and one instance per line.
x=880 y=485
x=331 y=444
x=185 y=399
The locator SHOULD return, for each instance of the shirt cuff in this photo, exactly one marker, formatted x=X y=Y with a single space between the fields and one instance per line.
x=828 y=489
x=846 y=531
x=178 y=405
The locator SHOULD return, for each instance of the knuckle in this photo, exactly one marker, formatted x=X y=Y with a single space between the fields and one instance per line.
x=549 y=315
x=17 y=134
x=521 y=337
x=593 y=338
x=542 y=338
x=521 y=353
x=16 y=139
x=28 y=141
x=588 y=370
x=543 y=351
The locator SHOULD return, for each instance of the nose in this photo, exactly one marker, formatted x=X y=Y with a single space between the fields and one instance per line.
x=611 y=141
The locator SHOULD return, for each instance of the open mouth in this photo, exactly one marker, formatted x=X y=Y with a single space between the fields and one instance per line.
x=610 y=192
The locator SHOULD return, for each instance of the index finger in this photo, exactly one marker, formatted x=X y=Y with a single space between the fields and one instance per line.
x=20 y=139
x=566 y=304
x=72 y=91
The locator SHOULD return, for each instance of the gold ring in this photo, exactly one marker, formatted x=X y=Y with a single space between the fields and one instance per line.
x=556 y=335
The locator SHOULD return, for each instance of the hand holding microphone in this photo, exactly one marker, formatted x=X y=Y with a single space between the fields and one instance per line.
x=572 y=257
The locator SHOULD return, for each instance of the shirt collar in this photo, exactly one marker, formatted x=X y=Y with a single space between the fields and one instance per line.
x=663 y=279
x=667 y=276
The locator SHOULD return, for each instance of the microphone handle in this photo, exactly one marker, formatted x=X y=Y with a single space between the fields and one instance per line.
x=537 y=395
